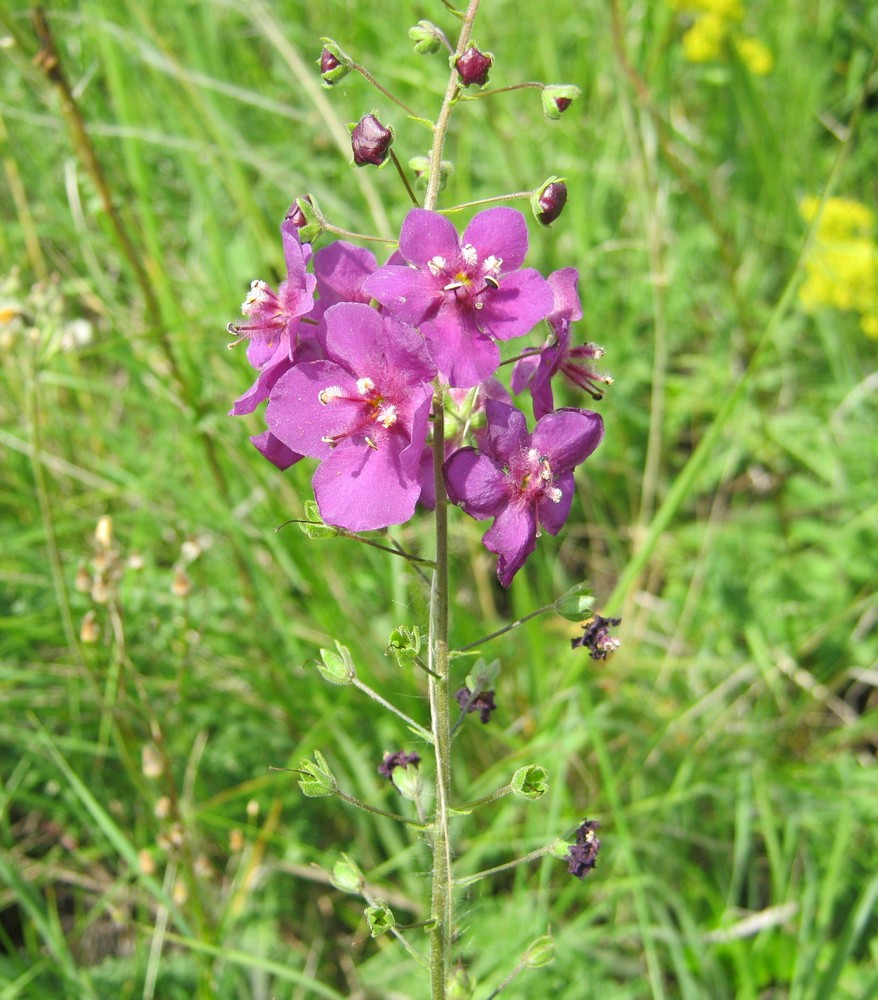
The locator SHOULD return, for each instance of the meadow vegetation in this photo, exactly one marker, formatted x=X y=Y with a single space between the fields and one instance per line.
x=154 y=665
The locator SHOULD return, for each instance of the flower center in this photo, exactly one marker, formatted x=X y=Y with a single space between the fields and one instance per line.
x=370 y=408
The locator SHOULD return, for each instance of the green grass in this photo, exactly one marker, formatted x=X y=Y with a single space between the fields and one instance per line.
x=728 y=748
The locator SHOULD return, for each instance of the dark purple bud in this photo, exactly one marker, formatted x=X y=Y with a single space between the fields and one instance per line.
x=550 y=201
x=370 y=141
x=398 y=758
x=596 y=637
x=328 y=62
x=557 y=98
x=483 y=702
x=334 y=63
x=473 y=66
x=582 y=855
x=296 y=215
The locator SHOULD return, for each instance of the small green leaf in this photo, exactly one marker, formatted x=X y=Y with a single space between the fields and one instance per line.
x=540 y=953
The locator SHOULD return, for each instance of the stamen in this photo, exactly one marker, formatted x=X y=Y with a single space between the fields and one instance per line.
x=469 y=254
x=328 y=394
x=386 y=415
x=491 y=282
x=331 y=441
x=492 y=264
x=452 y=286
x=436 y=265
x=554 y=494
x=371 y=443
x=365 y=386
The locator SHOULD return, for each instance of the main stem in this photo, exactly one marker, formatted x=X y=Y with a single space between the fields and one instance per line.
x=441 y=902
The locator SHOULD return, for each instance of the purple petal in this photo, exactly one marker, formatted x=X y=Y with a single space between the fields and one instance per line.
x=340 y=269
x=275 y=451
x=507 y=430
x=523 y=372
x=295 y=414
x=515 y=308
x=567 y=437
x=501 y=232
x=362 y=489
x=475 y=483
x=552 y=515
x=259 y=391
x=463 y=354
x=408 y=294
x=513 y=536
x=367 y=343
x=426 y=235
x=567 y=305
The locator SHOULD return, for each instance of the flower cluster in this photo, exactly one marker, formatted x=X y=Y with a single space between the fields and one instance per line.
x=716 y=27
x=842 y=268
x=353 y=385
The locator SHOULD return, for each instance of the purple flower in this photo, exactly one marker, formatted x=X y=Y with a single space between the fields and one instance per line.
x=483 y=702
x=535 y=371
x=596 y=637
x=463 y=291
x=273 y=319
x=582 y=856
x=397 y=758
x=524 y=481
x=364 y=411
x=341 y=269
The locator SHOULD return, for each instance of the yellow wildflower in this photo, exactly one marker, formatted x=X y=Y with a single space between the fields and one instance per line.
x=703 y=42
x=755 y=55
x=841 y=271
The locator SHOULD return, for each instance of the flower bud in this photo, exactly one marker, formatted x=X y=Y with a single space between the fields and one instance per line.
x=427 y=38
x=316 y=780
x=370 y=141
x=337 y=668
x=548 y=201
x=421 y=166
x=540 y=953
x=305 y=218
x=333 y=62
x=576 y=603
x=473 y=67
x=557 y=99
x=460 y=986
x=346 y=876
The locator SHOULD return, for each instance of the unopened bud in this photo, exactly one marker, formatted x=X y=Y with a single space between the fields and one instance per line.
x=333 y=62
x=557 y=99
x=337 y=667
x=370 y=141
x=541 y=952
x=316 y=779
x=548 y=201
x=427 y=38
x=421 y=167
x=473 y=67
x=83 y=579
x=460 y=986
x=346 y=876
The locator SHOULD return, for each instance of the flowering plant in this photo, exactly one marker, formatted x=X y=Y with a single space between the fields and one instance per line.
x=388 y=377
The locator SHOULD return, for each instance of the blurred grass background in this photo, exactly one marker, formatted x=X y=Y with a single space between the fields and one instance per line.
x=728 y=749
